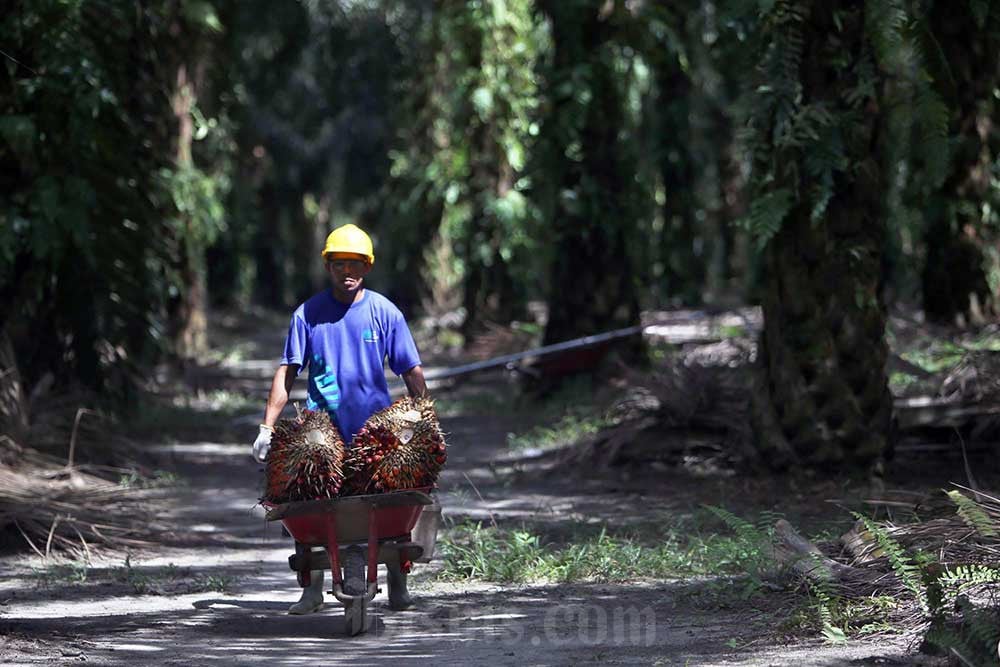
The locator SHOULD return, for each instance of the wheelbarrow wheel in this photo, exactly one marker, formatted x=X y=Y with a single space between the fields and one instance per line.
x=356 y=616
x=354 y=571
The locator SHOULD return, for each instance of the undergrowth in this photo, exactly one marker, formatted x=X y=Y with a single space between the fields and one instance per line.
x=954 y=605
x=570 y=428
x=475 y=551
x=170 y=579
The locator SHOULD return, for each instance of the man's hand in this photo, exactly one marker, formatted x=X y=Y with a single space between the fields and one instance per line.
x=262 y=444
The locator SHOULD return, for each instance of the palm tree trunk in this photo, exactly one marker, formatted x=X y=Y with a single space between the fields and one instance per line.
x=822 y=395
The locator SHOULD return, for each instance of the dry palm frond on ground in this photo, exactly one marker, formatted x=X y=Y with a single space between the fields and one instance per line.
x=932 y=568
x=47 y=502
x=55 y=509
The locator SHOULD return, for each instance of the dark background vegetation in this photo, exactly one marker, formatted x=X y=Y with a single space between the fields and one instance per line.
x=535 y=169
x=827 y=161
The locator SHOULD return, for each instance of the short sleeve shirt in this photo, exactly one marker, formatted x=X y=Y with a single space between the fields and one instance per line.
x=345 y=348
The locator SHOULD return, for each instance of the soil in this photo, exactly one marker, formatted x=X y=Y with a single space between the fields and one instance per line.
x=163 y=607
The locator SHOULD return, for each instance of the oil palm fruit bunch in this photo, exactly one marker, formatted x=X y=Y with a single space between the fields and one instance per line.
x=306 y=459
x=400 y=447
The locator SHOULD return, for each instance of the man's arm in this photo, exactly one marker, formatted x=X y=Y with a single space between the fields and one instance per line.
x=281 y=387
x=415 y=384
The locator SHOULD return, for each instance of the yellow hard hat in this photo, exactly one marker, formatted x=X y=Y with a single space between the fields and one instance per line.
x=349 y=239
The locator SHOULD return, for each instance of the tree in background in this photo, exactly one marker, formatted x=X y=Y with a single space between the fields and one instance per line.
x=465 y=131
x=413 y=200
x=815 y=129
x=311 y=89
x=496 y=58
x=586 y=187
x=87 y=231
x=960 y=202
x=684 y=265
x=197 y=195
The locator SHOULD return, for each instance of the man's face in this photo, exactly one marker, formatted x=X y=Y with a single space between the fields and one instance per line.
x=347 y=274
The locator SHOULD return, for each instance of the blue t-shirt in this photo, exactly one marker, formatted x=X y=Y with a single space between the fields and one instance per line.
x=345 y=347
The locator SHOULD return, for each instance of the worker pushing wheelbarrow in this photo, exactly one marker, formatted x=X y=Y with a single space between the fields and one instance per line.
x=344 y=336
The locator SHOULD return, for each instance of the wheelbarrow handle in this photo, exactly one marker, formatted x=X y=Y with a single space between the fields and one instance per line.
x=368 y=596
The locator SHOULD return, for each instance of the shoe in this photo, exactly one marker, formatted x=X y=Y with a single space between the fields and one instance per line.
x=312 y=595
x=399 y=598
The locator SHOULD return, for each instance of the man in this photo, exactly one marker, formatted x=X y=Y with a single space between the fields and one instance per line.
x=344 y=335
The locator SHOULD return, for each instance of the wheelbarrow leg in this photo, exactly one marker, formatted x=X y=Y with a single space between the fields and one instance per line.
x=333 y=549
x=372 y=547
x=355 y=602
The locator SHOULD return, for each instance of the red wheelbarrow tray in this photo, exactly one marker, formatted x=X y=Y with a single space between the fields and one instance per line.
x=382 y=520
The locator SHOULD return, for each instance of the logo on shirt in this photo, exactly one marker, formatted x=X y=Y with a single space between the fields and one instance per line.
x=324 y=393
x=369 y=336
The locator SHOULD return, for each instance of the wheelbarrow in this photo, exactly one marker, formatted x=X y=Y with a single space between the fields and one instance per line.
x=358 y=533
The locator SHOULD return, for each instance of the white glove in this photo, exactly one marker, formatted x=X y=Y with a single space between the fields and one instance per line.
x=262 y=444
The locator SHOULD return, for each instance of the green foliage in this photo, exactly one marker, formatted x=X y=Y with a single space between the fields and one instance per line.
x=458 y=160
x=766 y=214
x=974 y=639
x=935 y=356
x=964 y=578
x=159 y=479
x=472 y=551
x=754 y=544
x=973 y=515
x=800 y=144
x=569 y=429
x=60 y=574
x=902 y=564
x=832 y=634
x=86 y=128
x=171 y=579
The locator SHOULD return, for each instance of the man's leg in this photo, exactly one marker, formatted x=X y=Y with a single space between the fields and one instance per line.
x=312 y=595
x=424 y=534
x=399 y=597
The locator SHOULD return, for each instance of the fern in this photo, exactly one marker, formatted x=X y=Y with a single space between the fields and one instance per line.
x=974 y=640
x=980 y=629
x=744 y=530
x=973 y=515
x=908 y=572
x=754 y=541
x=963 y=578
x=930 y=118
x=821 y=590
x=766 y=215
x=885 y=21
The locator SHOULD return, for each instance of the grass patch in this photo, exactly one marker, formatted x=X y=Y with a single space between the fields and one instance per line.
x=938 y=356
x=72 y=572
x=474 y=551
x=577 y=410
x=900 y=382
x=158 y=480
x=169 y=580
x=732 y=331
x=570 y=428
x=485 y=400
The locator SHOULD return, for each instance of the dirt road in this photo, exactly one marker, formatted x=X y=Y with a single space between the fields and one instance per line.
x=163 y=607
